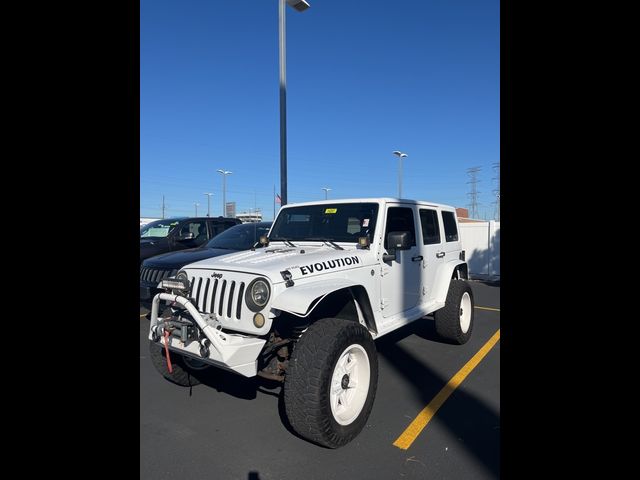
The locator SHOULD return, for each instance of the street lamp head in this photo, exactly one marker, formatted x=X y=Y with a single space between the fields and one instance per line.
x=400 y=154
x=299 y=5
x=225 y=172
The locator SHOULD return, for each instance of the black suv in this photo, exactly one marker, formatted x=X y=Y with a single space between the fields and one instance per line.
x=153 y=270
x=171 y=234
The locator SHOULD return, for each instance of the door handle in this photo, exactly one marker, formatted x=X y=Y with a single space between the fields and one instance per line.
x=416 y=259
x=440 y=255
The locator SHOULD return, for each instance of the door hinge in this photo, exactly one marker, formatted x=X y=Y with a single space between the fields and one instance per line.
x=383 y=303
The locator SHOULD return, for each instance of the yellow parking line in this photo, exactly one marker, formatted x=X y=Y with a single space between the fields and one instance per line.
x=488 y=308
x=407 y=437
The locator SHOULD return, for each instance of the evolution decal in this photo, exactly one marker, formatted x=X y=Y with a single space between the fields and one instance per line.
x=328 y=265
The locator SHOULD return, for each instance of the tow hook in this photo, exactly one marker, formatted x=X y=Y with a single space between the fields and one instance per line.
x=167 y=334
x=154 y=335
x=204 y=348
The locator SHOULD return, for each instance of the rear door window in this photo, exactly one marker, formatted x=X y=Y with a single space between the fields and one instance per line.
x=219 y=227
x=450 y=228
x=430 y=226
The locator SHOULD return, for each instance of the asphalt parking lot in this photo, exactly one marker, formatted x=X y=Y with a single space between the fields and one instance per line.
x=234 y=428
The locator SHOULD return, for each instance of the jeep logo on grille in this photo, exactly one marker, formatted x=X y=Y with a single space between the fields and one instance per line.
x=216 y=275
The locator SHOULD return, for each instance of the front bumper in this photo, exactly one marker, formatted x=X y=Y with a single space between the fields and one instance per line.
x=235 y=352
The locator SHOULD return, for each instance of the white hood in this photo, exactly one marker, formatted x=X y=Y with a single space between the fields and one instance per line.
x=301 y=261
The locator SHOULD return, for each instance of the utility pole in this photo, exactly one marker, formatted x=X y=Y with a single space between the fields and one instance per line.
x=300 y=6
x=224 y=189
x=473 y=194
x=496 y=192
x=208 y=203
x=400 y=156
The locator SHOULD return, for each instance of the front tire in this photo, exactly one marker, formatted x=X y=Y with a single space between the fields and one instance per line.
x=331 y=382
x=182 y=374
x=454 y=321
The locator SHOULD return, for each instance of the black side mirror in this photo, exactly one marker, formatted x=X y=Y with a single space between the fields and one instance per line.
x=396 y=241
x=185 y=236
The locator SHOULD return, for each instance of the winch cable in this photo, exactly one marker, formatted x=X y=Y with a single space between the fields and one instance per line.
x=166 y=349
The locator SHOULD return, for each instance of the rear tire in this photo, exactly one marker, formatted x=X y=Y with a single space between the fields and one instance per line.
x=454 y=321
x=331 y=382
x=182 y=375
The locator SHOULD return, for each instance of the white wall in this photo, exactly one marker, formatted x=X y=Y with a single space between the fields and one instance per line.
x=481 y=242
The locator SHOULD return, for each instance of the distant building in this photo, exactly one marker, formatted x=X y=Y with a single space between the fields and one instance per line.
x=250 y=217
x=463 y=216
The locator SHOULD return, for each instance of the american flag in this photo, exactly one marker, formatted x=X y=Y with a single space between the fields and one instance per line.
x=278 y=199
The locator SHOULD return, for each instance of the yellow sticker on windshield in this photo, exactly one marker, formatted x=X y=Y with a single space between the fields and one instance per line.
x=330 y=210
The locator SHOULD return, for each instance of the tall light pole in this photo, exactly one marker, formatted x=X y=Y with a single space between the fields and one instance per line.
x=208 y=203
x=224 y=189
x=300 y=6
x=196 y=205
x=400 y=157
x=325 y=191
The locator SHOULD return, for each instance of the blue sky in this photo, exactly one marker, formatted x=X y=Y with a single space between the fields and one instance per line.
x=364 y=78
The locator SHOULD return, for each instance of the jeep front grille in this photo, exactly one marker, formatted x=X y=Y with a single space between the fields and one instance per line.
x=222 y=297
x=155 y=275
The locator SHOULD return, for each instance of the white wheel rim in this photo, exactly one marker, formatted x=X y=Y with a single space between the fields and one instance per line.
x=349 y=385
x=465 y=312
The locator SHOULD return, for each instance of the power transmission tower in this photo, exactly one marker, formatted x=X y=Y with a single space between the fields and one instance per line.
x=496 y=193
x=473 y=194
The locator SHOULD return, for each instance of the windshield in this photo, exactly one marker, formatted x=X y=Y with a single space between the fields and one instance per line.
x=159 y=228
x=337 y=222
x=240 y=237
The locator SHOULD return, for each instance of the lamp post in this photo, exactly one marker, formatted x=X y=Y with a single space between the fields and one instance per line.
x=196 y=205
x=326 y=190
x=208 y=203
x=400 y=156
x=300 y=6
x=224 y=189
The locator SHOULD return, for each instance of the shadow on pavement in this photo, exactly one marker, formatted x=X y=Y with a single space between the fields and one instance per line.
x=466 y=417
x=247 y=388
x=237 y=385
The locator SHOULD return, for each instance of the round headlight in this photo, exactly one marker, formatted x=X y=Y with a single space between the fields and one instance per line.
x=257 y=294
x=260 y=293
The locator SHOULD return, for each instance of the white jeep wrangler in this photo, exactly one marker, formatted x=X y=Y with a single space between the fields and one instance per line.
x=305 y=308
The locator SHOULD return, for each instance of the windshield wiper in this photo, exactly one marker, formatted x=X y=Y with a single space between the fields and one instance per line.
x=276 y=239
x=326 y=240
